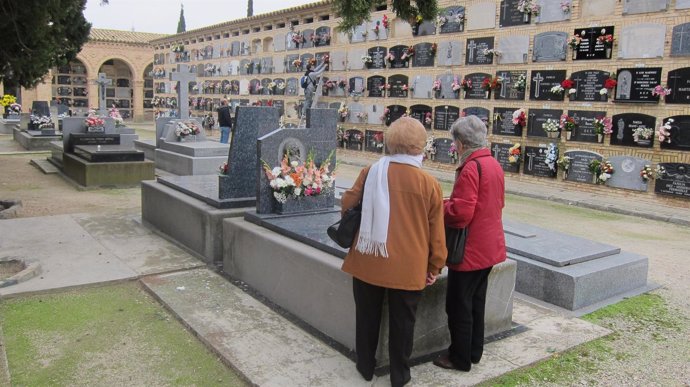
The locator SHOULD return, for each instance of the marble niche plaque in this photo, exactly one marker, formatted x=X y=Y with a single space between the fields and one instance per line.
x=482 y=113
x=445 y=116
x=503 y=123
x=534 y=164
x=378 y=57
x=355 y=109
x=235 y=48
x=323 y=37
x=338 y=60
x=682 y=4
x=425 y=28
x=631 y=7
x=382 y=34
x=359 y=33
x=627 y=173
x=508 y=89
x=447 y=86
x=305 y=58
x=420 y=112
x=625 y=124
x=424 y=55
x=680 y=40
x=475 y=51
x=279 y=43
x=537 y=117
x=399 y=51
x=541 y=82
x=402 y=28
x=375 y=86
x=584 y=131
x=395 y=112
x=680 y=133
x=399 y=86
x=481 y=15
x=550 y=46
x=308 y=36
x=595 y=9
x=500 y=153
x=373 y=141
x=442 y=146
x=509 y=15
x=579 y=166
x=645 y=40
x=279 y=81
x=292 y=86
x=675 y=181
x=588 y=83
x=421 y=86
x=477 y=91
x=289 y=63
x=278 y=65
x=454 y=20
x=354 y=58
x=679 y=83
x=590 y=47
x=374 y=113
x=551 y=11
x=449 y=53
x=513 y=49
x=636 y=84
x=356 y=86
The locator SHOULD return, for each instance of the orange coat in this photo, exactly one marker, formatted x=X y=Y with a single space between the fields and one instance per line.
x=416 y=234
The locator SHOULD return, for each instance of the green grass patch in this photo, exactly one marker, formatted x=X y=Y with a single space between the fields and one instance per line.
x=564 y=209
x=112 y=335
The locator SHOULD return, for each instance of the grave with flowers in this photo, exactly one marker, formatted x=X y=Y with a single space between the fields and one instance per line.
x=38 y=129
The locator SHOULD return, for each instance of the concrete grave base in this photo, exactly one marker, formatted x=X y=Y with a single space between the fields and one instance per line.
x=90 y=174
x=308 y=283
x=30 y=142
x=148 y=147
x=184 y=165
x=8 y=126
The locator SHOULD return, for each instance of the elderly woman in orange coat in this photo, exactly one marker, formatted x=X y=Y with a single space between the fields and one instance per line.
x=400 y=247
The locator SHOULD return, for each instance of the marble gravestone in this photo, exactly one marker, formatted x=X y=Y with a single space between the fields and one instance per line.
x=382 y=34
x=481 y=15
x=508 y=88
x=420 y=112
x=482 y=113
x=235 y=48
x=445 y=116
x=378 y=57
x=680 y=133
x=398 y=83
x=371 y=141
x=513 y=49
x=395 y=112
x=375 y=86
x=679 y=83
x=534 y=164
x=588 y=83
x=475 y=51
x=421 y=86
x=424 y=55
x=449 y=53
x=550 y=46
x=653 y=36
x=627 y=173
x=442 y=146
x=402 y=28
x=354 y=58
x=584 y=132
x=40 y=108
x=551 y=11
x=590 y=48
x=537 y=117
x=374 y=113
x=500 y=153
x=308 y=41
x=447 y=86
x=631 y=7
x=318 y=137
x=356 y=86
x=509 y=15
x=305 y=58
x=503 y=123
x=636 y=84
x=455 y=16
x=359 y=33
x=279 y=43
x=592 y=9
x=680 y=40
x=399 y=51
x=579 y=166
x=541 y=82
x=355 y=109
x=675 y=180
x=477 y=91
x=425 y=28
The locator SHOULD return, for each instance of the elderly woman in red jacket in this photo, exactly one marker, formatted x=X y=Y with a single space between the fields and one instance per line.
x=476 y=202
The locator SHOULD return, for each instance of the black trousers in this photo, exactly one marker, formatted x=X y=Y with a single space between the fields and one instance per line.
x=402 y=309
x=465 y=304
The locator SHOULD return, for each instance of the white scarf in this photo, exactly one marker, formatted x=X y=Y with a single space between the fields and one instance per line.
x=373 y=229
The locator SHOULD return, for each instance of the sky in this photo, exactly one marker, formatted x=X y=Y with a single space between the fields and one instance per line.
x=161 y=16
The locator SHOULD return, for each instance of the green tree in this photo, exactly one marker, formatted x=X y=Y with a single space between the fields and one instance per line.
x=39 y=35
x=181 y=25
x=250 y=8
x=355 y=12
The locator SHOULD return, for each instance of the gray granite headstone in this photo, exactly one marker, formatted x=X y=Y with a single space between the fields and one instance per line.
x=422 y=85
x=446 y=86
x=644 y=6
x=579 y=165
x=481 y=15
x=71 y=125
x=183 y=76
x=355 y=108
x=627 y=172
x=551 y=11
x=680 y=40
x=41 y=108
x=682 y=4
x=338 y=60
x=595 y=9
x=550 y=46
x=644 y=40
x=450 y=52
x=359 y=33
x=513 y=49
x=354 y=58
x=319 y=137
x=374 y=113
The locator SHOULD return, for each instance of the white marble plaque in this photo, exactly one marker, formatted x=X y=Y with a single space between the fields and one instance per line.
x=279 y=64
x=551 y=46
x=513 y=49
x=403 y=29
x=359 y=33
x=354 y=58
x=597 y=9
x=355 y=108
x=422 y=85
x=551 y=11
x=279 y=43
x=382 y=35
x=342 y=38
x=631 y=7
x=244 y=87
x=449 y=53
x=338 y=61
x=682 y=4
x=642 y=41
x=235 y=67
x=374 y=113
x=481 y=16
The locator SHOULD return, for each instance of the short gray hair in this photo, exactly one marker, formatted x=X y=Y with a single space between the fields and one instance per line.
x=470 y=131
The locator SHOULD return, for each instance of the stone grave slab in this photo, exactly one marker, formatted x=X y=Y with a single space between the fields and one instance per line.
x=40 y=108
x=305 y=58
x=636 y=84
x=551 y=11
x=353 y=139
x=631 y=7
x=454 y=20
x=374 y=113
x=373 y=141
x=425 y=28
x=537 y=117
x=476 y=51
x=680 y=40
x=234 y=67
x=278 y=82
x=675 y=180
x=244 y=87
x=445 y=116
x=550 y=46
x=395 y=112
x=584 y=132
x=382 y=33
x=508 y=88
x=447 y=87
x=503 y=123
x=627 y=173
x=481 y=15
x=267 y=65
x=624 y=125
x=534 y=163
x=680 y=133
x=399 y=86
x=292 y=86
x=513 y=49
x=424 y=55
x=354 y=58
x=323 y=36
x=579 y=166
x=279 y=42
x=588 y=83
x=509 y=16
x=449 y=53
x=107 y=153
x=421 y=86
x=378 y=57
x=356 y=85
x=289 y=63
x=442 y=146
x=682 y=4
x=402 y=28
x=359 y=33
x=591 y=9
x=399 y=52
x=477 y=91
x=420 y=113
x=541 y=82
x=483 y=113
x=590 y=48
x=653 y=36
x=679 y=82
x=338 y=60
x=500 y=152
x=308 y=41
x=355 y=109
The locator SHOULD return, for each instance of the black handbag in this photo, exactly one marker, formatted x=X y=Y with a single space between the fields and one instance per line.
x=456 y=237
x=343 y=231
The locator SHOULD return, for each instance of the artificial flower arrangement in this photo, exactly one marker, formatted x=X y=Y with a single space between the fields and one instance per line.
x=93 y=120
x=453 y=151
x=663 y=133
x=343 y=112
x=384 y=21
x=456 y=85
x=366 y=59
x=520 y=117
x=15 y=108
x=569 y=85
x=117 y=117
x=567 y=123
x=386 y=115
x=292 y=180
x=605 y=39
x=551 y=126
x=491 y=51
x=646 y=173
x=342 y=83
x=557 y=90
x=427 y=118
x=404 y=87
x=521 y=83
x=466 y=84
x=514 y=154
x=377 y=140
x=258 y=87
x=223 y=168
x=436 y=86
x=602 y=170
x=44 y=122
x=272 y=85
x=603 y=125
x=551 y=156
x=660 y=91
x=434 y=48
x=659 y=172
x=329 y=85
x=390 y=57
x=529 y=7
x=297 y=63
x=565 y=6
x=642 y=133
x=409 y=53
x=362 y=116
x=340 y=133
x=297 y=38
x=430 y=148
x=574 y=41
x=609 y=84
x=7 y=100
x=187 y=128
x=564 y=163
x=441 y=20
x=377 y=28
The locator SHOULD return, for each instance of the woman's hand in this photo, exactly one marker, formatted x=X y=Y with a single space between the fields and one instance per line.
x=430 y=279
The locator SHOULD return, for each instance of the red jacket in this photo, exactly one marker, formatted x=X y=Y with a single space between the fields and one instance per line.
x=478 y=202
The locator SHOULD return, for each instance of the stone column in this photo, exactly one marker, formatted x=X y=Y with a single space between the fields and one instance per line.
x=138 y=100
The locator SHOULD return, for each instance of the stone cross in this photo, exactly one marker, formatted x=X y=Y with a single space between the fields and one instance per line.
x=537 y=82
x=102 y=82
x=530 y=163
x=496 y=150
x=505 y=9
x=505 y=83
x=674 y=85
x=471 y=46
x=577 y=85
x=183 y=76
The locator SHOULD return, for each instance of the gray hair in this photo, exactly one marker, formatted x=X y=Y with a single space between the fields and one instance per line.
x=470 y=131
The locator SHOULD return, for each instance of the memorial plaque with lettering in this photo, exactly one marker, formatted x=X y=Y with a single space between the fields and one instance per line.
x=399 y=62
x=395 y=112
x=447 y=87
x=627 y=172
x=290 y=63
x=454 y=20
x=680 y=40
x=679 y=83
x=674 y=181
x=356 y=85
x=292 y=87
x=584 y=131
x=376 y=86
x=426 y=27
x=579 y=166
x=588 y=84
x=445 y=116
x=591 y=47
x=500 y=153
x=483 y=113
x=373 y=141
x=476 y=51
x=442 y=146
x=534 y=162
x=636 y=84
x=550 y=46
x=510 y=16
x=323 y=36
x=503 y=123
x=536 y=119
x=541 y=82
x=280 y=104
x=399 y=86
x=378 y=57
x=449 y=53
x=513 y=85
x=477 y=91
x=422 y=86
x=421 y=113
x=625 y=124
x=679 y=133
x=424 y=55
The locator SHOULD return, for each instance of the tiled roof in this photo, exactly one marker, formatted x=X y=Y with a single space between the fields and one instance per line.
x=117 y=36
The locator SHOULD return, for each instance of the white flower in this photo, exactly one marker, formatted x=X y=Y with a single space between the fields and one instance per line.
x=280 y=183
x=604 y=176
x=298 y=191
x=276 y=171
x=604 y=91
x=572 y=91
x=294 y=164
x=280 y=197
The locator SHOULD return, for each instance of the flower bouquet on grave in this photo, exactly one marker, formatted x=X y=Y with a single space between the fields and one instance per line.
x=659 y=172
x=521 y=83
x=384 y=22
x=602 y=170
x=223 y=169
x=427 y=119
x=386 y=116
x=486 y=85
x=643 y=135
x=366 y=59
x=456 y=86
x=453 y=153
x=14 y=109
x=437 y=88
x=557 y=90
x=343 y=112
x=527 y=8
x=602 y=126
x=186 y=128
x=377 y=28
x=377 y=140
x=297 y=38
x=409 y=53
x=430 y=148
x=566 y=6
x=663 y=133
x=297 y=64
x=574 y=43
x=340 y=134
x=520 y=118
x=647 y=173
x=514 y=154
x=342 y=84
x=609 y=85
x=117 y=117
x=441 y=20
x=434 y=48
x=94 y=123
x=660 y=91
x=551 y=156
x=607 y=40
x=551 y=127
x=564 y=164
x=45 y=123
x=568 y=124
x=390 y=58
x=466 y=85
x=362 y=116
x=569 y=86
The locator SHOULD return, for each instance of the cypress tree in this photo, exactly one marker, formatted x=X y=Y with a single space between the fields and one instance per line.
x=181 y=25
x=250 y=8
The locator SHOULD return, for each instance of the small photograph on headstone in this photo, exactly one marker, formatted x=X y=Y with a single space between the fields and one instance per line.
x=633 y=129
x=673 y=179
x=638 y=85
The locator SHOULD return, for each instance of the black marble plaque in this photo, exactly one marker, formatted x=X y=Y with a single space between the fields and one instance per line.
x=76 y=139
x=442 y=146
x=454 y=20
x=40 y=108
x=483 y=113
x=500 y=153
x=374 y=141
x=356 y=85
x=510 y=16
x=584 y=131
x=636 y=84
x=399 y=86
x=533 y=162
x=355 y=139
x=588 y=83
x=508 y=86
x=323 y=36
x=590 y=47
x=424 y=55
x=541 y=82
x=374 y=86
x=444 y=116
x=675 y=181
x=503 y=123
x=475 y=51
x=378 y=57
x=579 y=166
x=280 y=104
x=680 y=133
x=420 y=113
x=399 y=62
x=477 y=91
x=537 y=117
x=679 y=83
x=395 y=112
x=107 y=154
x=625 y=124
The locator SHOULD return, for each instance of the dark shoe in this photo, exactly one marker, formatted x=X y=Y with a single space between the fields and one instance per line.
x=443 y=361
x=366 y=375
x=476 y=361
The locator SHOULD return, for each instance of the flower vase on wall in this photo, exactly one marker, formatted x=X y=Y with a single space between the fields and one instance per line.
x=568 y=134
x=608 y=52
x=571 y=97
x=600 y=138
x=525 y=17
x=487 y=94
x=574 y=54
x=552 y=134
